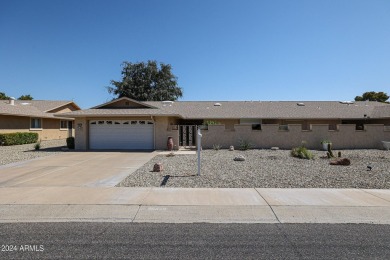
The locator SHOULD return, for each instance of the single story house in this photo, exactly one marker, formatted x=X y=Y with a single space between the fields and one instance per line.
x=37 y=116
x=129 y=124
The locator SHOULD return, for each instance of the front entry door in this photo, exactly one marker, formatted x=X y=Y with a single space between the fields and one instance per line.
x=187 y=136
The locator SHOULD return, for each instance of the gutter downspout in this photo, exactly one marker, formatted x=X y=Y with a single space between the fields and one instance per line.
x=154 y=132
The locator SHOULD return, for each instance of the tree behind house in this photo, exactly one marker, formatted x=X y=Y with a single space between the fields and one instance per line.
x=147 y=82
x=373 y=96
x=3 y=96
x=25 y=97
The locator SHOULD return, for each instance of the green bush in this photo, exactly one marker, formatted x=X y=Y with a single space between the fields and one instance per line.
x=37 y=146
x=70 y=142
x=210 y=122
x=244 y=145
x=18 y=138
x=302 y=152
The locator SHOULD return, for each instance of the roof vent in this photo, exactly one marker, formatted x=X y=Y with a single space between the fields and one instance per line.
x=167 y=103
x=12 y=101
x=217 y=104
x=347 y=102
x=25 y=104
x=301 y=104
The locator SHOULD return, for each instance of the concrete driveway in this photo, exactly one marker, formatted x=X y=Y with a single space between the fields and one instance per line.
x=79 y=169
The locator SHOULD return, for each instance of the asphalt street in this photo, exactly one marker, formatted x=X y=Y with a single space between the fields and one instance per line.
x=193 y=241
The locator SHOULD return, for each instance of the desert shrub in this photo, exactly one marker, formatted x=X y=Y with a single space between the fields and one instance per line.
x=37 y=146
x=18 y=138
x=302 y=152
x=244 y=145
x=217 y=147
x=210 y=122
x=70 y=142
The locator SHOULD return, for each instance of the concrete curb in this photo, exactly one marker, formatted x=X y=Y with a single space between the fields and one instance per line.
x=177 y=205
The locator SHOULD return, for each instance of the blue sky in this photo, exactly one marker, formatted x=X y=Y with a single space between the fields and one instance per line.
x=219 y=50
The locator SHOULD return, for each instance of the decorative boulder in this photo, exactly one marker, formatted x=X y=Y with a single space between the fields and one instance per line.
x=274 y=148
x=341 y=161
x=158 y=167
x=231 y=148
x=239 y=158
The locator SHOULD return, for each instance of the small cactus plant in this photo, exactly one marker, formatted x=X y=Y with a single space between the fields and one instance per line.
x=330 y=152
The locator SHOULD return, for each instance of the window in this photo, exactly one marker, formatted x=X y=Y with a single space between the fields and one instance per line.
x=256 y=126
x=283 y=127
x=36 y=123
x=359 y=127
x=64 y=124
x=255 y=123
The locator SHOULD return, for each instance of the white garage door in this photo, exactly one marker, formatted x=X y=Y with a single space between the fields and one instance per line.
x=121 y=134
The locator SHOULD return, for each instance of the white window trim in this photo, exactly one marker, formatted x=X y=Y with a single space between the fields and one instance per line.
x=36 y=129
x=67 y=124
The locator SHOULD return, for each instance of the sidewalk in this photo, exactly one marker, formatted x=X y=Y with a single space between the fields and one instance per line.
x=174 y=205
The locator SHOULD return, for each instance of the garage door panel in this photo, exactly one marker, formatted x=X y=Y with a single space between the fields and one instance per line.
x=121 y=136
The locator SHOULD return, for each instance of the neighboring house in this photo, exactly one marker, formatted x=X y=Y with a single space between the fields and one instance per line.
x=37 y=116
x=128 y=124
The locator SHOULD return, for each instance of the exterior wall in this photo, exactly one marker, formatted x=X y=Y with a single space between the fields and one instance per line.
x=11 y=124
x=229 y=123
x=51 y=130
x=81 y=134
x=50 y=127
x=64 y=109
x=162 y=130
x=124 y=104
x=346 y=137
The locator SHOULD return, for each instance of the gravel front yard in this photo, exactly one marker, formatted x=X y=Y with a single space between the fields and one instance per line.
x=16 y=153
x=266 y=169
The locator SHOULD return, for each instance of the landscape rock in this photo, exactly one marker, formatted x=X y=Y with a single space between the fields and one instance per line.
x=158 y=167
x=264 y=168
x=239 y=158
x=231 y=148
x=17 y=153
x=342 y=161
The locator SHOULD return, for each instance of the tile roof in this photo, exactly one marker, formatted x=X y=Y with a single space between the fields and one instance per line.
x=271 y=109
x=31 y=108
x=46 y=105
x=117 y=112
x=249 y=109
x=381 y=112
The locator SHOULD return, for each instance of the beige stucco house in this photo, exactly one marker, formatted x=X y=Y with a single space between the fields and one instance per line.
x=128 y=124
x=37 y=116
